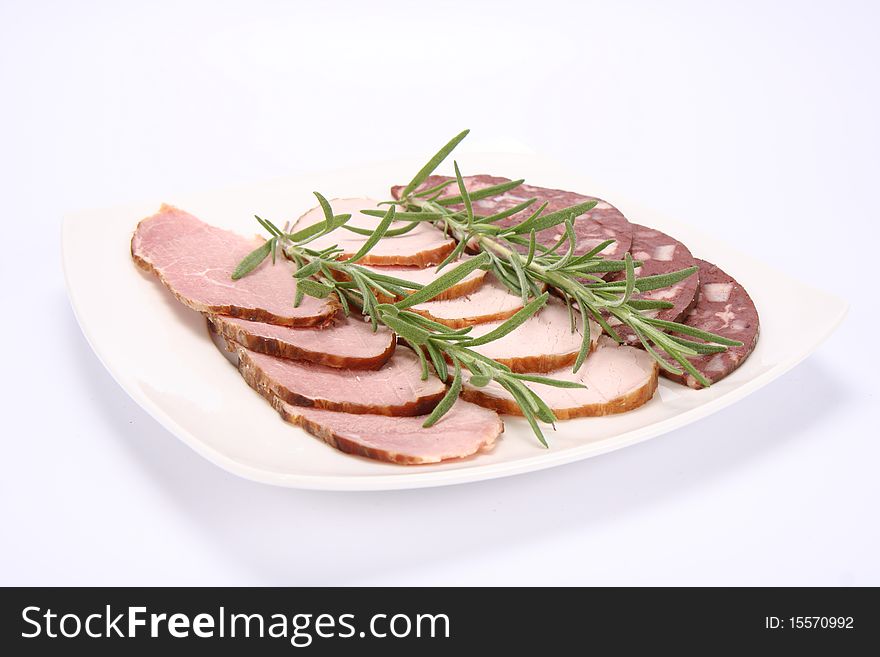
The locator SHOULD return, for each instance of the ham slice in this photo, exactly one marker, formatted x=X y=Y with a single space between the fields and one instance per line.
x=465 y=430
x=421 y=247
x=347 y=343
x=465 y=286
x=490 y=302
x=545 y=342
x=395 y=389
x=618 y=379
x=195 y=262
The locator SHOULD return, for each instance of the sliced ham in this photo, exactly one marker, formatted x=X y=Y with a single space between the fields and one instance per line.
x=601 y=223
x=488 y=303
x=723 y=307
x=395 y=389
x=195 y=262
x=617 y=379
x=349 y=342
x=421 y=247
x=465 y=430
x=465 y=286
x=660 y=254
x=545 y=342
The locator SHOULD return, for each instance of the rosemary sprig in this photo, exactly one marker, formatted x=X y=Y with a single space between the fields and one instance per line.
x=321 y=273
x=517 y=259
x=575 y=277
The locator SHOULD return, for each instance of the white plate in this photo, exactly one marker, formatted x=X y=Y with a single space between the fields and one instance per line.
x=159 y=351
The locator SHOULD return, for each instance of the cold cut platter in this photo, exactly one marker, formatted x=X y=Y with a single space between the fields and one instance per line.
x=391 y=327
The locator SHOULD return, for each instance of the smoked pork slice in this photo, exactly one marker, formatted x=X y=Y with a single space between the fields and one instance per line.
x=195 y=262
x=723 y=307
x=421 y=247
x=465 y=286
x=660 y=254
x=601 y=223
x=618 y=379
x=545 y=342
x=488 y=303
x=349 y=342
x=395 y=389
x=464 y=431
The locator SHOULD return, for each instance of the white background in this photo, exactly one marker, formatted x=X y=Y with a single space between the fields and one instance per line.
x=755 y=120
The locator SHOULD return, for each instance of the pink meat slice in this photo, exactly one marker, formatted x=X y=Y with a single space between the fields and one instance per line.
x=617 y=379
x=395 y=389
x=661 y=254
x=195 y=262
x=545 y=342
x=464 y=431
x=349 y=342
x=465 y=286
x=490 y=302
x=421 y=247
x=724 y=307
x=601 y=223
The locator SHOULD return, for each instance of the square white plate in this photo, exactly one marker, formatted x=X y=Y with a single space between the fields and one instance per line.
x=160 y=353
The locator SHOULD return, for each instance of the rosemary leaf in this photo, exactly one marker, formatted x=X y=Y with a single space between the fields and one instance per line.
x=657 y=281
x=548 y=381
x=464 y=196
x=649 y=304
x=532 y=244
x=554 y=218
x=448 y=400
x=394 y=232
x=307 y=270
x=252 y=260
x=454 y=255
x=521 y=396
x=629 y=283
x=405 y=215
x=377 y=234
x=313 y=288
x=492 y=218
x=444 y=282
x=424 y=363
x=270 y=227
x=699 y=347
x=693 y=332
x=325 y=206
x=585 y=342
x=478 y=194
x=516 y=265
x=415 y=335
x=437 y=360
x=479 y=380
x=432 y=164
x=511 y=323
x=435 y=189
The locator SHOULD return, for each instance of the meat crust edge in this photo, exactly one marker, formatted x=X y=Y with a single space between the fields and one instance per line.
x=268 y=389
x=272 y=347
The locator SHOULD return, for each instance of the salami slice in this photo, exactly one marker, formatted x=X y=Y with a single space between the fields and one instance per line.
x=723 y=307
x=661 y=254
x=602 y=223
